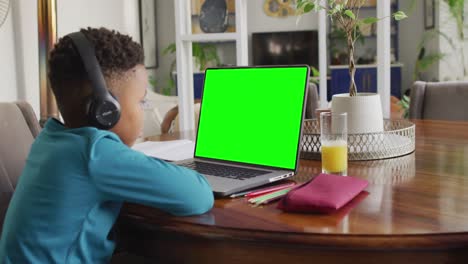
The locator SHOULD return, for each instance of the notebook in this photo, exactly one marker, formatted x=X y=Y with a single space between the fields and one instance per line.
x=250 y=126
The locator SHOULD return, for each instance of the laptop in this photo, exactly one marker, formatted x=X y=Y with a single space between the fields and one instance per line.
x=250 y=126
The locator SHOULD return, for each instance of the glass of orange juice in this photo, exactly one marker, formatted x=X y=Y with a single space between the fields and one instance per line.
x=334 y=141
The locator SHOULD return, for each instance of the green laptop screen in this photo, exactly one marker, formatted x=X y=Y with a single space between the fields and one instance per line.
x=252 y=115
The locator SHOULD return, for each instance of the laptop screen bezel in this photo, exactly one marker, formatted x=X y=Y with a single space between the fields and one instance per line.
x=304 y=101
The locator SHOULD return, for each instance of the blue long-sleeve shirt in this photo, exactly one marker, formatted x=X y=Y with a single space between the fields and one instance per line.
x=71 y=191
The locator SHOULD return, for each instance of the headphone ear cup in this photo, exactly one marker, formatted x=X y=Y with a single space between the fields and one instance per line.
x=104 y=113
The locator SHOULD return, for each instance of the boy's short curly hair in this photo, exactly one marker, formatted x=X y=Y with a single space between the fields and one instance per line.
x=115 y=52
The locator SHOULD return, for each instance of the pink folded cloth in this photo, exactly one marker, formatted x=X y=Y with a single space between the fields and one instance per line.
x=325 y=193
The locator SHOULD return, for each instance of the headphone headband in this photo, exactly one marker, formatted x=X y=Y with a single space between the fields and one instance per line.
x=88 y=57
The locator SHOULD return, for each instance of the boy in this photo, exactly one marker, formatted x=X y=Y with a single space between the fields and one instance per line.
x=77 y=176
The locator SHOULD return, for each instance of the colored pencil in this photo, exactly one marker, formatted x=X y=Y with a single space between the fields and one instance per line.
x=269 y=197
x=269 y=189
x=260 y=191
x=235 y=195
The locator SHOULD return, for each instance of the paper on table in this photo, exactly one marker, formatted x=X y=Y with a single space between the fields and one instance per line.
x=173 y=150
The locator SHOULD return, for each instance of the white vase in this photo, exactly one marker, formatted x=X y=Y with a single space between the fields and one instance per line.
x=364 y=112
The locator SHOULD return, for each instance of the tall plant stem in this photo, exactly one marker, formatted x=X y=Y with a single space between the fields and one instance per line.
x=465 y=68
x=462 y=37
x=352 y=67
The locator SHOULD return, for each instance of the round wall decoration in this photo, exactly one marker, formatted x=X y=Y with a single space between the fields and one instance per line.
x=213 y=16
x=279 y=8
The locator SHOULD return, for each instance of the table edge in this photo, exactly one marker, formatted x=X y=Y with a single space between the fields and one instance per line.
x=319 y=240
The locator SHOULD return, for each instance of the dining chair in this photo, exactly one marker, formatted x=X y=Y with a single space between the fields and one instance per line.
x=19 y=128
x=158 y=106
x=439 y=100
x=312 y=101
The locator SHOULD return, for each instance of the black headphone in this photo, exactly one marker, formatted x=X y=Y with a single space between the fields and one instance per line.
x=102 y=108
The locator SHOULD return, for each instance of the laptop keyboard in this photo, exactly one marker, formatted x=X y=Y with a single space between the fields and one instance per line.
x=223 y=170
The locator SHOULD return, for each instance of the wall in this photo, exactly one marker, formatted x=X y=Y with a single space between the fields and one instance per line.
x=454 y=65
x=433 y=46
x=165 y=36
x=26 y=53
x=121 y=15
x=411 y=32
x=8 y=65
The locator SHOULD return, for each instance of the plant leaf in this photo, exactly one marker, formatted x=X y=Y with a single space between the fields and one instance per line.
x=428 y=60
x=400 y=15
x=153 y=82
x=315 y=72
x=300 y=4
x=405 y=98
x=170 y=49
x=404 y=103
x=406 y=114
x=309 y=7
x=350 y=14
x=370 y=20
x=339 y=7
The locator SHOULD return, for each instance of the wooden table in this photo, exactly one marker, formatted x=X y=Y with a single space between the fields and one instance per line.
x=415 y=211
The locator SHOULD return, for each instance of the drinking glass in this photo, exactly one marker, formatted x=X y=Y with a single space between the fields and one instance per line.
x=334 y=140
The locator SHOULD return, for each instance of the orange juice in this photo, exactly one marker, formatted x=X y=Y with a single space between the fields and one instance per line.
x=335 y=156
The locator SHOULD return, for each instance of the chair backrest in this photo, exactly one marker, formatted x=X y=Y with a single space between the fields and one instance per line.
x=312 y=101
x=153 y=117
x=170 y=123
x=19 y=127
x=439 y=100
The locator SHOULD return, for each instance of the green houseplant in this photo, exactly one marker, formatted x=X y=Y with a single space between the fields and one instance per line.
x=345 y=13
x=204 y=54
